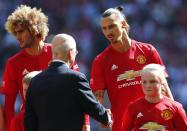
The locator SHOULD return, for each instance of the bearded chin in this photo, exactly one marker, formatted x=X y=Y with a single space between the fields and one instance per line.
x=26 y=45
x=115 y=41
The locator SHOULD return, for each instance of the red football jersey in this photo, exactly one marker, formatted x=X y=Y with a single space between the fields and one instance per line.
x=16 y=67
x=19 y=65
x=17 y=123
x=166 y=115
x=119 y=74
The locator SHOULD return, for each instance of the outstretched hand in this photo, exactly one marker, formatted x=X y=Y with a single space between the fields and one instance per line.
x=110 y=118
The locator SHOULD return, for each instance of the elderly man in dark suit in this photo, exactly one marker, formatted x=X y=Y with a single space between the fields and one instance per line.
x=58 y=97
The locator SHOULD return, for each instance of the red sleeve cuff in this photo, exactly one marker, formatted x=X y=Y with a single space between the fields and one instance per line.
x=86 y=119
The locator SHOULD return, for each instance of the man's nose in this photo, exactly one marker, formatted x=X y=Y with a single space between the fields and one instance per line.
x=18 y=36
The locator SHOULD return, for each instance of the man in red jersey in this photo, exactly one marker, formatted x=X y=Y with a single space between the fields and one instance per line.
x=154 y=112
x=117 y=69
x=30 y=27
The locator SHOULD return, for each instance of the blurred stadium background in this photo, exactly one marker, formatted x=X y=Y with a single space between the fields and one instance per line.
x=160 y=22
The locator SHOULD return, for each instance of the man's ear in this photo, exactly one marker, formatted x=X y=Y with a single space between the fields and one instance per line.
x=70 y=54
x=124 y=24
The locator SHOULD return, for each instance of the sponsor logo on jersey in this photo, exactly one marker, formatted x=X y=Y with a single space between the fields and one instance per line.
x=139 y=115
x=25 y=71
x=128 y=75
x=152 y=126
x=114 y=67
x=167 y=114
x=132 y=83
x=141 y=59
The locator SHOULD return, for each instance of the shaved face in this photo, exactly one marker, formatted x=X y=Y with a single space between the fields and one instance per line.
x=112 y=28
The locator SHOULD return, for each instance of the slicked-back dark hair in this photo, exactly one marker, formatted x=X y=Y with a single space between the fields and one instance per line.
x=118 y=11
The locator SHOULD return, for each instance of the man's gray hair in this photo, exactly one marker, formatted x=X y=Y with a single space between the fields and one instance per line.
x=65 y=41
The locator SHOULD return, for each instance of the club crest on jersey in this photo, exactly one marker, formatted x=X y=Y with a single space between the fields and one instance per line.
x=139 y=115
x=167 y=114
x=128 y=75
x=114 y=67
x=75 y=67
x=141 y=59
x=152 y=126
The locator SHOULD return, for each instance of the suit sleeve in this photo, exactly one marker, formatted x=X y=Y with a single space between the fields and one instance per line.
x=86 y=116
x=180 y=120
x=30 y=119
x=88 y=101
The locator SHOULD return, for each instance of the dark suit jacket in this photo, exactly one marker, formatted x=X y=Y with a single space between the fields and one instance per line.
x=57 y=99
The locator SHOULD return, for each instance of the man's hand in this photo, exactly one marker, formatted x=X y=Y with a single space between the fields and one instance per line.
x=110 y=118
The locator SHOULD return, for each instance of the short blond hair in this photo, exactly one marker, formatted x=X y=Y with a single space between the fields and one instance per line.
x=157 y=69
x=27 y=78
x=34 y=19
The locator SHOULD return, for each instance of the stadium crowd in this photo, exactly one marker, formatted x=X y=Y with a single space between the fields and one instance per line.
x=161 y=22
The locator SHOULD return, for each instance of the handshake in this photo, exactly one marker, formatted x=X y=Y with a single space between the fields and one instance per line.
x=110 y=120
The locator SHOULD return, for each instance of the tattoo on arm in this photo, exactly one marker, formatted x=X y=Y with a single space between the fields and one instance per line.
x=99 y=94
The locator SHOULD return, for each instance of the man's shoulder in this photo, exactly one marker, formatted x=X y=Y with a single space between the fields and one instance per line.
x=76 y=74
x=102 y=55
x=142 y=45
x=16 y=57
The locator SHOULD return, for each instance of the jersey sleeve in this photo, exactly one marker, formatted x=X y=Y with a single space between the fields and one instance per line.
x=157 y=59
x=180 y=120
x=86 y=116
x=86 y=119
x=9 y=83
x=97 y=81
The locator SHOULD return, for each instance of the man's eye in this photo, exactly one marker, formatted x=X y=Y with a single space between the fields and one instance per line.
x=111 y=26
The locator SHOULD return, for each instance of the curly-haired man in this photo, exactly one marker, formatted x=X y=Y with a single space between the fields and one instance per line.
x=30 y=27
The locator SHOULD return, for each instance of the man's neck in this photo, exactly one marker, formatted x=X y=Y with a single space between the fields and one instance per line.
x=36 y=49
x=55 y=59
x=123 y=45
